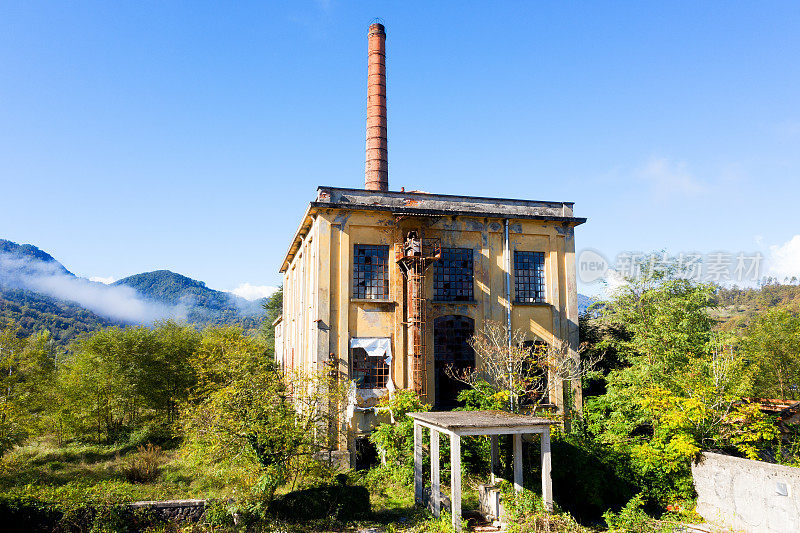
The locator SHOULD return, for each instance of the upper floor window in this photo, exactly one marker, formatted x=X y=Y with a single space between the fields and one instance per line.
x=529 y=277
x=452 y=276
x=371 y=271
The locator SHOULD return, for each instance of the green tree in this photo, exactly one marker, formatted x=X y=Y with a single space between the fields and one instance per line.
x=263 y=422
x=12 y=416
x=771 y=343
x=120 y=379
x=680 y=386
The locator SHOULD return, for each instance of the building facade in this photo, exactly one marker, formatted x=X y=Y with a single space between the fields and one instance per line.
x=388 y=286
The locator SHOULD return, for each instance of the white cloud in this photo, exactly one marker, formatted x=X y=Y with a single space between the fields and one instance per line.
x=669 y=178
x=254 y=292
x=116 y=302
x=99 y=279
x=784 y=259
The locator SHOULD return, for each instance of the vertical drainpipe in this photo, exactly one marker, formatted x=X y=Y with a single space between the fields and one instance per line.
x=507 y=266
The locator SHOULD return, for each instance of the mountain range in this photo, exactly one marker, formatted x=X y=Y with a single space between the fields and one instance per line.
x=37 y=292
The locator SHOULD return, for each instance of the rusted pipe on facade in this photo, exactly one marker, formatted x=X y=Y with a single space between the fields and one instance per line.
x=376 y=174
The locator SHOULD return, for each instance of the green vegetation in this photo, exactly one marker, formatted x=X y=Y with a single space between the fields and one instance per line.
x=736 y=307
x=35 y=313
x=173 y=412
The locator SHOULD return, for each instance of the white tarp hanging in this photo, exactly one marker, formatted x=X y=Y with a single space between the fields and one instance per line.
x=377 y=347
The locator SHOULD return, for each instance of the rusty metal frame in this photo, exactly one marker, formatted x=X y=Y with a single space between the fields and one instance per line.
x=414 y=268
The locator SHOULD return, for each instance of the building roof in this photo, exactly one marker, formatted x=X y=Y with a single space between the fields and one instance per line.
x=423 y=203
x=426 y=204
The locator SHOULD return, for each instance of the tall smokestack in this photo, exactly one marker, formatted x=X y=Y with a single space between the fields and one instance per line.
x=376 y=176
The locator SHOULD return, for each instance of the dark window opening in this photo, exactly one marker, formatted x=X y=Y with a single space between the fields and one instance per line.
x=366 y=453
x=451 y=353
x=529 y=277
x=371 y=271
x=535 y=374
x=369 y=372
x=453 y=277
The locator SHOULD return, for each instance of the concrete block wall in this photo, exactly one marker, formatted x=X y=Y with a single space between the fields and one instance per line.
x=174 y=510
x=748 y=496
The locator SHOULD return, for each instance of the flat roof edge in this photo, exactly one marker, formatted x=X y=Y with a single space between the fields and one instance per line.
x=429 y=194
x=577 y=221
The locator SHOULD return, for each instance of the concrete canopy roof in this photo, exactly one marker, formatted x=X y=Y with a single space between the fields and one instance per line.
x=481 y=422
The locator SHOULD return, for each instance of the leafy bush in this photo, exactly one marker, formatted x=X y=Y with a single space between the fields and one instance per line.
x=143 y=466
x=525 y=513
x=218 y=513
x=588 y=477
x=264 y=422
x=339 y=502
x=633 y=519
x=396 y=439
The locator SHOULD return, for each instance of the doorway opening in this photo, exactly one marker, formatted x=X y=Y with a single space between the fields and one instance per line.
x=451 y=351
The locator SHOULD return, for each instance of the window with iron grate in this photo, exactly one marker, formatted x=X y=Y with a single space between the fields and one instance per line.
x=368 y=372
x=529 y=277
x=371 y=271
x=453 y=276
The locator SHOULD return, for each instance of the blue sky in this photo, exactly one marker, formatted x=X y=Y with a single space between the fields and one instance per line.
x=191 y=135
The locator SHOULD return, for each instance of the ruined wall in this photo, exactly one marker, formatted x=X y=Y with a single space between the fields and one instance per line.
x=748 y=496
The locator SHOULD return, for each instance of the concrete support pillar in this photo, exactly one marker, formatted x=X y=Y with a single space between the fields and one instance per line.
x=455 y=480
x=547 y=480
x=517 y=462
x=417 y=463
x=435 y=490
x=493 y=467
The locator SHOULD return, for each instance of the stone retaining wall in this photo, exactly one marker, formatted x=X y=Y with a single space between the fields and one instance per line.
x=174 y=510
x=748 y=496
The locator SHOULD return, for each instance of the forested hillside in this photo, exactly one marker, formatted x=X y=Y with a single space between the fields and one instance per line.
x=201 y=304
x=38 y=293
x=737 y=307
x=34 y=313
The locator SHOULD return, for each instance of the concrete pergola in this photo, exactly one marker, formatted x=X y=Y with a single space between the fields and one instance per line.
x=463 y=423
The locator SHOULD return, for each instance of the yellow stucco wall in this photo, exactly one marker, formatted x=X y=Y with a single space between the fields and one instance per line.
x=320 y=316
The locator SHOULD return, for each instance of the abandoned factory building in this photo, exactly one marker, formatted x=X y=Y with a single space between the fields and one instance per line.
x=390 y=285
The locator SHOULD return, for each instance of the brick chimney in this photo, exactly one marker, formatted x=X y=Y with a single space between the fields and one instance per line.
x=376 y=176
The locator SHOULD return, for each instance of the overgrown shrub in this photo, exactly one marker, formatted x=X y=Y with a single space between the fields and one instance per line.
x=633 y=519
x=340 y=502
x=589 y=478
x=525 y=513
x=144 y=465
x=396 y=438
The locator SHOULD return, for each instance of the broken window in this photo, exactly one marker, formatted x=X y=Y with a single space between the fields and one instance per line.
x=371 y=271
x=452 y=276
x=529 y=277
x=369 y=372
